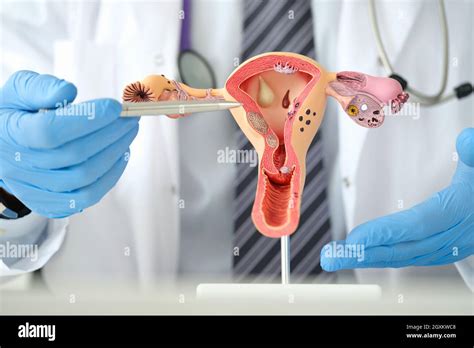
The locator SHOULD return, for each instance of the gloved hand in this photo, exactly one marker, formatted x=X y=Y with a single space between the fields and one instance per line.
x=436 y=232
x=59 y=162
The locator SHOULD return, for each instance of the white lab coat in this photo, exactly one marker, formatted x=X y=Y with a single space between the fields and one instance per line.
x=133 y=234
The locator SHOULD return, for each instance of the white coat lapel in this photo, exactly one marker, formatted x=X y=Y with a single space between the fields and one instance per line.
x=396 y=21
x=357 y=51
x=140 y=215
x=147 y=45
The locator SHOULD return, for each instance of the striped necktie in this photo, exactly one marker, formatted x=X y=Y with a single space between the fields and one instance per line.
x=280 y=25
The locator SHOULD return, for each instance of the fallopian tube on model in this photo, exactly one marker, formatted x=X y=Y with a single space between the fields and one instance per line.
x=283 y=96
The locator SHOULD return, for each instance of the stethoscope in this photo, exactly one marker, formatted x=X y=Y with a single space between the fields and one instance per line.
x=461 y=91
x=196 y=71
x=193 y=68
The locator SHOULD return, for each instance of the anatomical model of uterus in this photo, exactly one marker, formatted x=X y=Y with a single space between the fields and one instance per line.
x=283 y=97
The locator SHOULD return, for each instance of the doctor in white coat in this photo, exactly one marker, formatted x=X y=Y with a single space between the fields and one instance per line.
x=139 y=233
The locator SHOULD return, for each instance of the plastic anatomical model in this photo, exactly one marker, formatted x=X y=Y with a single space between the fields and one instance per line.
x=283 y=97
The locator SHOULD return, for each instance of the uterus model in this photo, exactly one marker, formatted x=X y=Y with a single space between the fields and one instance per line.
x=283 y=97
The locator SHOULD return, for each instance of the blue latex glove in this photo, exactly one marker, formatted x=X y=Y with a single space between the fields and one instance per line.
x=58 y=165
x=436 y=232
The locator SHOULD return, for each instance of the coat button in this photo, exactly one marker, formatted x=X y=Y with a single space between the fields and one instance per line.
x=174 y=190
x=158 y=59
x=346 y=182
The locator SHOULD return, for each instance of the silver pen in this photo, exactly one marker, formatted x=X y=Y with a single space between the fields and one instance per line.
x=175 y=107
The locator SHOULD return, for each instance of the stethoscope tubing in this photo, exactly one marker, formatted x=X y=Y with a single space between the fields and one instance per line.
x=417 y=96
x=422 y=98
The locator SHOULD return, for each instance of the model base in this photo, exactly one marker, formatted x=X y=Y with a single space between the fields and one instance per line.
x=279 y=293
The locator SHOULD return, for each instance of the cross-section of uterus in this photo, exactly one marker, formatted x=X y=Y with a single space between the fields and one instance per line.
x=283 y=97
